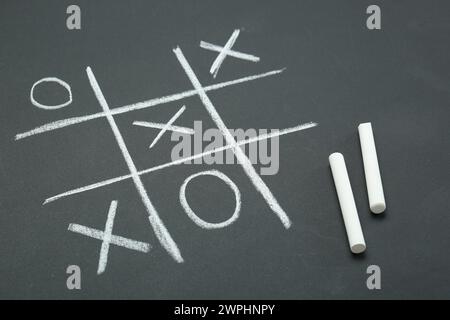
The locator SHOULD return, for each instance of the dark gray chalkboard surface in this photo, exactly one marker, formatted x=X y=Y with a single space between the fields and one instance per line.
x=338 y=74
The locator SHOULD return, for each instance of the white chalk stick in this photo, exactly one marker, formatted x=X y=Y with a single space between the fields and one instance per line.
x=372 y=171
x=347 y=203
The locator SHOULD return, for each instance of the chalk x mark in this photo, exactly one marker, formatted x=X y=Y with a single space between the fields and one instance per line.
x=168 y=124
x=139 y=105
x=223 y=53
x=107 y=238
x=158 y=226
x=107 y=182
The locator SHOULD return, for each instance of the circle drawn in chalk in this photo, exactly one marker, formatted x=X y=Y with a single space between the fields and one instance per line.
x=51 y=107
x=191 y=214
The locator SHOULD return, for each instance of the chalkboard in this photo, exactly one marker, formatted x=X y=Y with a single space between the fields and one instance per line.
x=255 y=64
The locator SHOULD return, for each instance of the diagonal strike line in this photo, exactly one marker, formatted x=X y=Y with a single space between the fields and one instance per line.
x=104 y=183
x=231 y=53
x=243 y=160
x=168 y=124
x=139 y=105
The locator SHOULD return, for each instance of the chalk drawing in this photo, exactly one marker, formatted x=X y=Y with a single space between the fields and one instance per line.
x=226 y=51
x=168 y=124
x=160 y=230
x=51 y=107
x=191 y=214
x=107 y=238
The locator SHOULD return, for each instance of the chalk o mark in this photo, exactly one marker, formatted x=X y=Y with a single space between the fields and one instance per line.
x=51 y=107
x=191 y=214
